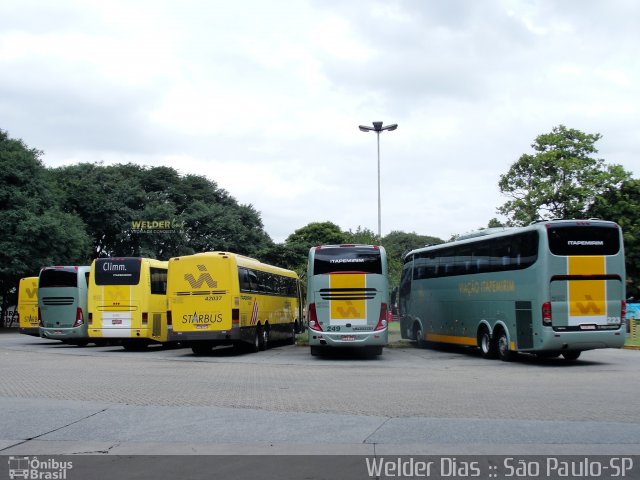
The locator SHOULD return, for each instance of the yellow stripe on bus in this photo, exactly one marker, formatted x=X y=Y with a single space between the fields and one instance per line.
x=348 y=309
x=432 y=337
x=587 y=297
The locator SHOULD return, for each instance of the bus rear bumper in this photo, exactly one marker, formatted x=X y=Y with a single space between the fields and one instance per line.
x=348 y=339
x=220 y=337
x=562 y=341
x=65 y=334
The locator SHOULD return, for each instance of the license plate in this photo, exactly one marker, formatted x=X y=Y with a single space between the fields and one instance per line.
x=347 y=338
x=116 y=322
x=202 y=327
x=587 y=327
x=57 y=332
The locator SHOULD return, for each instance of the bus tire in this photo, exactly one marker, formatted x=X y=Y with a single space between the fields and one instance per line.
x=504 y=353
x=375 y=350
x=264 y=337
x=571 y=355
x=418 y=334
x=201 y=348
x=486 y=344
x=291 y=340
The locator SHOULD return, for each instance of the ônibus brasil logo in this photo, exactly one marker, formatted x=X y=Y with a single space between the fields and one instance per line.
x=36 y=469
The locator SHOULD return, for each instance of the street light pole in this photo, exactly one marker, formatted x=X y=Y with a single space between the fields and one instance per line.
x=378 y=128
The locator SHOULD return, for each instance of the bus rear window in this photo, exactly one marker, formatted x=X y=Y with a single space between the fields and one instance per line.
x=584 y=240
x=117 y=271
x=58 y=278
x=347 y=259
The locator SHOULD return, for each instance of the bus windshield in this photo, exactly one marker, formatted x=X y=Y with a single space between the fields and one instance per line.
x=352 y=259
x=117 y=271
x=53 y=277
x=569 y=240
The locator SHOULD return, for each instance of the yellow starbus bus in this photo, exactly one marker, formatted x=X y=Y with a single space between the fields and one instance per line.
x=221 y=298
x=28 y=306
x=128 y=301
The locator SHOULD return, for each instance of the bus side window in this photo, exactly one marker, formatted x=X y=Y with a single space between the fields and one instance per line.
x=158 y=281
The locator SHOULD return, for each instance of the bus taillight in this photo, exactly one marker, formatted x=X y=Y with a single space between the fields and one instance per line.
x=169 y=318
x=546 y=314
x=623 y=313
x=313 y=318
x=90 y=318
x=145 y=318
x=79 y=318
x=382 y=321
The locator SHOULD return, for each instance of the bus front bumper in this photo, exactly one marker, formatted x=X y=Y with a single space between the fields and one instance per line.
x=349 y=339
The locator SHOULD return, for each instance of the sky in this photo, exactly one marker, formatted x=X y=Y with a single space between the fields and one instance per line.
x=265 y=97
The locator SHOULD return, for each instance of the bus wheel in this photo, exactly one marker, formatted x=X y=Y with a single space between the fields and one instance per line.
x=201 y=348
x=418 y=334
x=571 y=355
x=376 y=350
x=504 y=353
x=82 y=343
x=292 y=337
x=486 y=344
x=264 y=337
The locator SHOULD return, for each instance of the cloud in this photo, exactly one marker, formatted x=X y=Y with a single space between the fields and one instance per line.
x=265 y=97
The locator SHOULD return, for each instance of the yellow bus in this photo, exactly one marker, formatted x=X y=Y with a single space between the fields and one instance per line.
x=28 y=306
x=128 y=301
x=221 y=298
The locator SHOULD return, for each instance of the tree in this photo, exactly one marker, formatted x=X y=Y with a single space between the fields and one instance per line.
x=114 y=200
x=622 y=206
x=397 y=244
x=561 y=180
x=35 y=231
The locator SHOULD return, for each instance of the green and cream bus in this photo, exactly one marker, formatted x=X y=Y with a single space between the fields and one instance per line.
x=347 y=297
x=551 y=288
x=62 y=303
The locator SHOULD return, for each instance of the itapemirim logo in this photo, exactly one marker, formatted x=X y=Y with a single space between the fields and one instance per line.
x=157 y=226
x=37 y=469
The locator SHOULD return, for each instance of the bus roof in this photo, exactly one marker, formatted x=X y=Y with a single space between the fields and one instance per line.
x=506 y=231
x=241 y=260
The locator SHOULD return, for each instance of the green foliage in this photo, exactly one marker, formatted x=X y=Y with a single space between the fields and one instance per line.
x=293 y=253
x=622 y=205
x=561 y=180
x=397 y=244
x=35 y=230
x=111 y=199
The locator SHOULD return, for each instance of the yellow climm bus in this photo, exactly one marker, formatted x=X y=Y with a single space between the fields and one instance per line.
x=128 y=301
x=221 y=298
x=28 y=306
